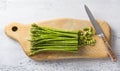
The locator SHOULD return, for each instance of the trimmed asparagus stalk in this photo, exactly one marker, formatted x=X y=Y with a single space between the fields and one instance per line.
x=49 y=39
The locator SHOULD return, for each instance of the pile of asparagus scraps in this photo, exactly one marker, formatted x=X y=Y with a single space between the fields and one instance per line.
x=49 y=39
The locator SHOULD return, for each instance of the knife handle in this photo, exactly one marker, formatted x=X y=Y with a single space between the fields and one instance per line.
x=109 y=50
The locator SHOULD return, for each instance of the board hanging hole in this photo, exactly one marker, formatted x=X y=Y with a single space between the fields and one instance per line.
x=14 y=28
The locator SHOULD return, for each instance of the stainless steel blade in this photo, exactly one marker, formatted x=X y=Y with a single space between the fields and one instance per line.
x=94 y=22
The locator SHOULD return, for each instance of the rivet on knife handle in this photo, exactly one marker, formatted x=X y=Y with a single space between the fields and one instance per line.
x=100 y=33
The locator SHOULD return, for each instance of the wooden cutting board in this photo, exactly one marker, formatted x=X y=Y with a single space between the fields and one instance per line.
x=21 y=33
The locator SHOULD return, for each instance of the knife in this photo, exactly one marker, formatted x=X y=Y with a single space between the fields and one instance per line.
x=100 y=34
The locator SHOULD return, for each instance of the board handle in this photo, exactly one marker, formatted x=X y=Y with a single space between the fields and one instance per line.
x=13 y=30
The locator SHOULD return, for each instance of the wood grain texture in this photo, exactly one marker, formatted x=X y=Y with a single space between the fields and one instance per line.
x=22 y=35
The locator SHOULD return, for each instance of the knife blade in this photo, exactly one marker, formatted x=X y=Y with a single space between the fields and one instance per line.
x=100 y=33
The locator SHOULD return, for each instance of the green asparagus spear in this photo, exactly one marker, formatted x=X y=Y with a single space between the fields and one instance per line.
x=50 y=39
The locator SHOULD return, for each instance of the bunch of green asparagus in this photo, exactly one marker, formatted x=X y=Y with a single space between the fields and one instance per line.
x=49 y=39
